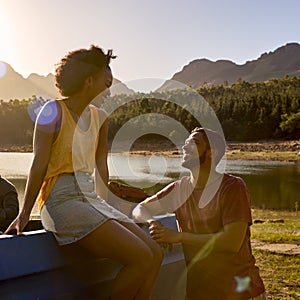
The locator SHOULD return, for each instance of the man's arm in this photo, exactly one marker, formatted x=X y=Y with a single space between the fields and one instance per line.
x=230 y=239
x=164 y=201
x=147 y=209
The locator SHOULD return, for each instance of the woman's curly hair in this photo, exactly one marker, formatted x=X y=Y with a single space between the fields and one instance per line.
x=77 y=65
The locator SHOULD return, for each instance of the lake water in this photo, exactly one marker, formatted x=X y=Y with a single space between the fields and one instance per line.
x=272 y=184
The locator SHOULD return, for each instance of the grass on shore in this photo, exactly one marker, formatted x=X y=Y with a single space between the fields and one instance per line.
x=280 y=272
x=263 y=155
x=286 y=232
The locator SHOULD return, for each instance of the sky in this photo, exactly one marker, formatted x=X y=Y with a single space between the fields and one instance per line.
x=151 y=38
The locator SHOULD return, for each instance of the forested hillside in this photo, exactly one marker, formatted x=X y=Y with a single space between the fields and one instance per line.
x=246 y=111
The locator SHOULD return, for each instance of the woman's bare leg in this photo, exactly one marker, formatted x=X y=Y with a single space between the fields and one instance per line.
x=145 y=290
x=113 y=240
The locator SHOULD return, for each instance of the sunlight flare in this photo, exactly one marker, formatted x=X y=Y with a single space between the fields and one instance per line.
x=2 y=69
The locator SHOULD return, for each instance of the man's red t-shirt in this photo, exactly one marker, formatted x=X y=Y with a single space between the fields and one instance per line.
x=212 y=274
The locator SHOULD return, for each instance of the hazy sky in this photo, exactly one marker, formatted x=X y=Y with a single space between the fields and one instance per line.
x=152 y=38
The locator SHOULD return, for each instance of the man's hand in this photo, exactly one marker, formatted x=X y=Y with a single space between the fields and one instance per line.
x=163 y=235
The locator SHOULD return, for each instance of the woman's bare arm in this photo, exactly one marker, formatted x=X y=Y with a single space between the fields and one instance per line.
x=101 y=174
x=44 y=135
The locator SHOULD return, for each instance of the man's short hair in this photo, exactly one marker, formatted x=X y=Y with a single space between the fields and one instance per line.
x=213 y=141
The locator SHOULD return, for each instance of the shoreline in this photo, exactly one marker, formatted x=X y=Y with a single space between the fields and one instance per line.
x=230 y=155
x=260 y=150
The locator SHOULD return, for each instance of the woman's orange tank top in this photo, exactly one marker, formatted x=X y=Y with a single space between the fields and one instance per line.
x=73 y=150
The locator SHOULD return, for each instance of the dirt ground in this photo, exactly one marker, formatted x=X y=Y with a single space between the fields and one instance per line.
x=289 y=249
x=266 y=146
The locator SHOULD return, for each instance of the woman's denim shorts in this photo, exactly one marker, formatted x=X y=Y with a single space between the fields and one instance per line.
x=73 y=209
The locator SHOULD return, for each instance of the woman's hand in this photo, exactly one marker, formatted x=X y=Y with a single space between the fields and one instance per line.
x=17 y=225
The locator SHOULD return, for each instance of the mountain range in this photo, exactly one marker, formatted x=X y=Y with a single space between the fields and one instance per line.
x=14 y=86
x=285 y=60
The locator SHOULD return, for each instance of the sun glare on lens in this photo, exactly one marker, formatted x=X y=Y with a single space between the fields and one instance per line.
x=2 y=69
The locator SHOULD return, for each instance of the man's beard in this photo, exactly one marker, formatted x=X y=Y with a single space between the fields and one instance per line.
x=193 y=163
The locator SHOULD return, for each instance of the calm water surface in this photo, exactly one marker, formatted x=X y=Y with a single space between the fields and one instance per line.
x=272 y=184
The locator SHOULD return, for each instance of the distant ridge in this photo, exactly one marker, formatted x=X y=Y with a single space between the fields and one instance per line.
x=285 y=60
x=14 y=86
x=276 y=64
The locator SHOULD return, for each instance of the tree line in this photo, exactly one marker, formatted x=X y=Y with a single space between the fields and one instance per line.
x=246 y=111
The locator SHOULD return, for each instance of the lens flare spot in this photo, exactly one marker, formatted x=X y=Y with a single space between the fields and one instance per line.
x=158 y=165
x=47 y=114
x=242 y=283
x=2 y=69
x=43 y=111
